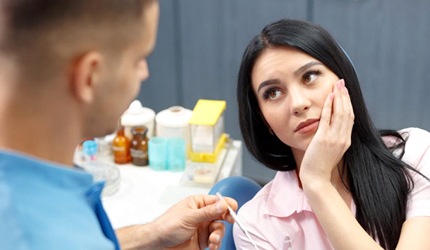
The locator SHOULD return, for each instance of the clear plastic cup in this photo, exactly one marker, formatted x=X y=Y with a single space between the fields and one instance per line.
x=157 y=153
x=176 y=154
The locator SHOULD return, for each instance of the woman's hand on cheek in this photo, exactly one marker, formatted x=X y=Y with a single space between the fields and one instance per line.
x=332 y=138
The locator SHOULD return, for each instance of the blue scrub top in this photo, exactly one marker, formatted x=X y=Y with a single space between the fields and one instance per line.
x=48 y=206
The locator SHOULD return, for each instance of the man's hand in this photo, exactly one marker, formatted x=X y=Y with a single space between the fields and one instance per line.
x=193 y=222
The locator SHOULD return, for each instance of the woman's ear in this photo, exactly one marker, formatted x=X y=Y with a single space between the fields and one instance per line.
x=84 y=76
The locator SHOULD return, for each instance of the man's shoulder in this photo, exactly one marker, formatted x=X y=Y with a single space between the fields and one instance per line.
x=31 y=189
x=47 y=207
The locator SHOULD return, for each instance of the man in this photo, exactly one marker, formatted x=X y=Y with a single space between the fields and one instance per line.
x=68 y=69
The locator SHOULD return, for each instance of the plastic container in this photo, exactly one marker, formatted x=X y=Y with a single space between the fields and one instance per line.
x=157 y=153
x=103 y=171
x=174 y=123
x=89 y=150
x=176 y=154
x=100 y=170
x=207 y=130
x=135 y=116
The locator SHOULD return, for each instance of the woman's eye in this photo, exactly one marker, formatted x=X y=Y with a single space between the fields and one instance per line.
x=271 y=94
x=310 y=77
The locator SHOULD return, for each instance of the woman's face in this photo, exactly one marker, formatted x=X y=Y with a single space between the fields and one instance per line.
x=291 y=88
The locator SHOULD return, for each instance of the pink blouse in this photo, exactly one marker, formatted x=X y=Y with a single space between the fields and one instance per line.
x=280 y=217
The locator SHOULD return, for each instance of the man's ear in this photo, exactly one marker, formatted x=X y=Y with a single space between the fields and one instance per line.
x=85 y=73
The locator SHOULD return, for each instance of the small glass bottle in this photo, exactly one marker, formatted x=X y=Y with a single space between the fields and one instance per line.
x=139 y=146
x=89 y=150
x=121 y=147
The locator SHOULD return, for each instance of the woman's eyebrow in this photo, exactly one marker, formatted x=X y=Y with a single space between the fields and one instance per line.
x=268 y=82
x=296 y=73
x=300 y=70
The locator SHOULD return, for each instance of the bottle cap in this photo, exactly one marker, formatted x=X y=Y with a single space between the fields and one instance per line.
x=139 y=130
x=174 y=117
x=137 y=115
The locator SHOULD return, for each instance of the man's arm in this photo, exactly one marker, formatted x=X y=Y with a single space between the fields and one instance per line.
x=138 y=237
x=191 y=223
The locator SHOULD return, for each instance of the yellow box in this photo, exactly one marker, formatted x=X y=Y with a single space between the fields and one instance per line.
x=209 y=157
x=207 y=130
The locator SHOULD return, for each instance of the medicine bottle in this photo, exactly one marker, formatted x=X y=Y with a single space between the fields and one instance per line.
x=121 y=147
x=139 y=146
x=89 y=150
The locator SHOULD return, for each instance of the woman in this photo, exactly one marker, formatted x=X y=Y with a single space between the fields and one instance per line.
x=341 y=183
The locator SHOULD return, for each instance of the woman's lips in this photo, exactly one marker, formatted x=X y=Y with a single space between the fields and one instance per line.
x=307 y=126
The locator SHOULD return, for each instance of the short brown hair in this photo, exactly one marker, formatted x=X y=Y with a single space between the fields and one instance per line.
x=41 y=32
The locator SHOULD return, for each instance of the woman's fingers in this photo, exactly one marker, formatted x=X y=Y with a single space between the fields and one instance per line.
x=332 y=138
x=326 y=113
x=338 y=107
x=350 y=115
x=343 y=115
x=337 y=115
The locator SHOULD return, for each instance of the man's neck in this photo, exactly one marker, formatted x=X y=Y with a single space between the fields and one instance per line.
x=43 y=132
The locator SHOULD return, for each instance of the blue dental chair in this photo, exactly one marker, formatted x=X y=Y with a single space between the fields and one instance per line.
x=240 y=188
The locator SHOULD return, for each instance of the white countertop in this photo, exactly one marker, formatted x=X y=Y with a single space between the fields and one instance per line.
x=144 y=194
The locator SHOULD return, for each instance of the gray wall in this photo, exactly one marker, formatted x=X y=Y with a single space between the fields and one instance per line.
x=200 y=45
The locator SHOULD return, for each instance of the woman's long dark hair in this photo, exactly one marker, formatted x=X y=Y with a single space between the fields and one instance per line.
x=378 y=181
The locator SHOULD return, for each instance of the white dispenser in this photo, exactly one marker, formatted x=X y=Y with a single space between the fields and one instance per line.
x=136 y=115
x=173 y=122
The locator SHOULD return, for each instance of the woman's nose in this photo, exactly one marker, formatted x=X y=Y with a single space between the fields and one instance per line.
x=299 y=102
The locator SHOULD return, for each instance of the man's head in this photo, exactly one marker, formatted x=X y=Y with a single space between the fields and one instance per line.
x=92 y=52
